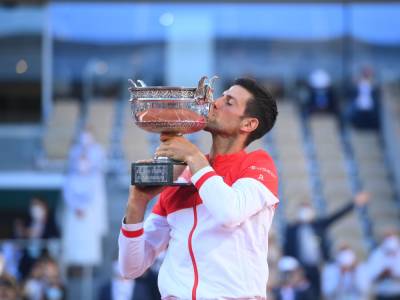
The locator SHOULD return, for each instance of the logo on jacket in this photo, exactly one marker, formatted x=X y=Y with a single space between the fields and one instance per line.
x=265 y=170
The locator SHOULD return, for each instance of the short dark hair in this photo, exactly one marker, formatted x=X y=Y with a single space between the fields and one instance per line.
x=262 y=106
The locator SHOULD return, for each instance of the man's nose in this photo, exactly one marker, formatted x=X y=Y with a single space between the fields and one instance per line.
x=217 y=103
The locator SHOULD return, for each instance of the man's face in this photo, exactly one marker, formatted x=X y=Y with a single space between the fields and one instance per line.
x=227 y=112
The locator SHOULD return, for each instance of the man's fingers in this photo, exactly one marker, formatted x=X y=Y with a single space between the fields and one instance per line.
x=144 y=161
x=166 y=136
x=163 y=153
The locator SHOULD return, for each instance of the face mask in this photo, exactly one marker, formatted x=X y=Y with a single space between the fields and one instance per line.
x=346 y=258
x=53 y=293
x=391 y=244
x=86 y=139
x=33 y=289
x=305 y=214
x=37 y=212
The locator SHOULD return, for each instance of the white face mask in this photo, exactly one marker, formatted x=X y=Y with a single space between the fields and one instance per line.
x=37 y=213
x=346 y=258
x=306 y=214
x=391 y=244
x=86 y=138
x=53 y=293
x=33 y=288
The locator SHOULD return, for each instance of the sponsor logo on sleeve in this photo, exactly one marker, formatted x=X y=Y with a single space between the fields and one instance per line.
x=264 y=170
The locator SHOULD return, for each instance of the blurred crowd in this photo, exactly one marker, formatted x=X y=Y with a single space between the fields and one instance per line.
x=302 y=269
x=361 y=109
x=307 y=270
x=37 y=259
x=345 y=276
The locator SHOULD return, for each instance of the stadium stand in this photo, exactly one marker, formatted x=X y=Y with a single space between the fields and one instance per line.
x=61 y=129
x=336 y=187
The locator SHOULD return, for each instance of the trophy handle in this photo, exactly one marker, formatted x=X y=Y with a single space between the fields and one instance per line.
x=138 y=83
x=210 y=89
x=141 y=83
x=204 y=91
x=211 y=82
x=133 y=84
x=200 y=92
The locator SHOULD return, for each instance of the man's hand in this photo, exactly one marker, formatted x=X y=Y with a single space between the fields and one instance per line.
x=139 y=197
x=361 y=199
x=178 y=148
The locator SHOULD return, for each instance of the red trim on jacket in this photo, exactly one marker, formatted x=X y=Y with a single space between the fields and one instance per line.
x=203 y=178
x=132 y=234
x=196 y=274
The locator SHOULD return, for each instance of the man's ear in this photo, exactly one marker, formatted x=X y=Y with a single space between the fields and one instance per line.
x=249 y=124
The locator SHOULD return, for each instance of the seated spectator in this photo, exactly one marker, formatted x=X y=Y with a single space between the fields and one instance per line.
x=384 y=268
x=33 y=287
x=321 y=95
x=345 y=278
x=40 y=224
x=53 y=286
x=119 y=288
x=8 y=287
x=306 y=239
x=364 y=108
x=293 y=285
x=44 y=282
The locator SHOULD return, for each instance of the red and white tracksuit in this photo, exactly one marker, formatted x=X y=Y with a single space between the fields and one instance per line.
x=215 y=232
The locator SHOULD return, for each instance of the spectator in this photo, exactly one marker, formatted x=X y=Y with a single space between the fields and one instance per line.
x=53 y=286
x=8 y=287
x=306 y=239
x=40 y=224
x=119 y=288
x=293 y=285
x=364 y=108
x=345 y=278
x=34 y=288
x=384 y=268
x=321 y=96
x=84 y=194
x=44 y=282
x=11 y=255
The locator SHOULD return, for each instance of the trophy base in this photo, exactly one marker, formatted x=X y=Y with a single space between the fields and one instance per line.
x=159 y=172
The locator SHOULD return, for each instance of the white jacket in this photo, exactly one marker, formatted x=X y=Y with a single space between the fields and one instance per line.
x=215 y=232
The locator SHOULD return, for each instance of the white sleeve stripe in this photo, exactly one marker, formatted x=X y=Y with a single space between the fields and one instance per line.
x=131 y=227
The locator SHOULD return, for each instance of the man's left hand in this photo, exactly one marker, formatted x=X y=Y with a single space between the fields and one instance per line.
x=179 y=148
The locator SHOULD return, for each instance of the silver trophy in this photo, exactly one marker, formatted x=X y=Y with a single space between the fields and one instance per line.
x=164 y=109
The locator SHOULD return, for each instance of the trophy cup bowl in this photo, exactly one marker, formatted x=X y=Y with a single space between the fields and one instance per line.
x=164 y=109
